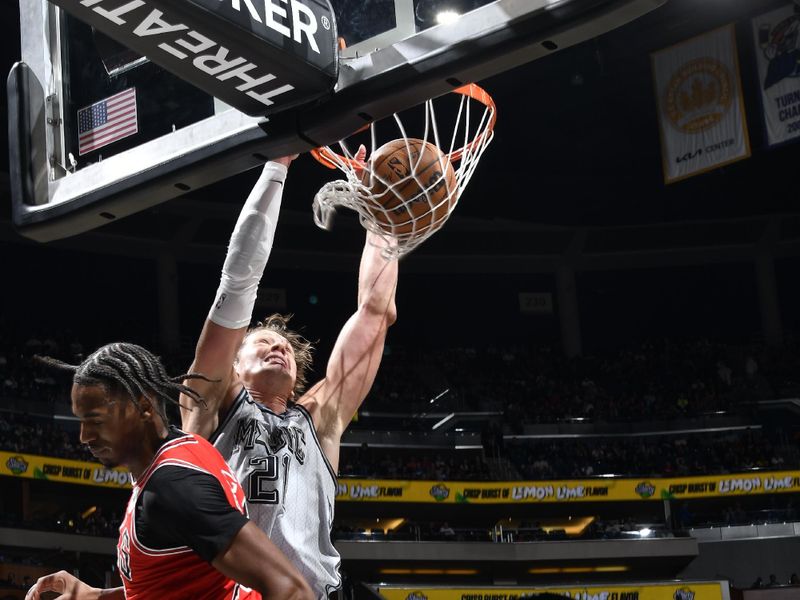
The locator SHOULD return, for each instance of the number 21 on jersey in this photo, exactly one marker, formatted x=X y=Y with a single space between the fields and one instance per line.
x=266 y=484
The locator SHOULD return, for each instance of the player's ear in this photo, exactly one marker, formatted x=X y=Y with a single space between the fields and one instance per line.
x=146 y=408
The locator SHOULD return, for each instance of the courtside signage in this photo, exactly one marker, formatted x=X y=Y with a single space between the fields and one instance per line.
x=676 y=590
x=32 y=466
x=456 y=492
x=259 y=57
x=568 y=490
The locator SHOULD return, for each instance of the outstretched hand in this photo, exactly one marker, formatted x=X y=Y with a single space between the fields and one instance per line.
x=69 y=586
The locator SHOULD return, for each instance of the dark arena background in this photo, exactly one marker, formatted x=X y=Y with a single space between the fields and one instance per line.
x=593 y=385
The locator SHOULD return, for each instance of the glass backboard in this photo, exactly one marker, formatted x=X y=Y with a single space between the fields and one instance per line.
x=397 y=54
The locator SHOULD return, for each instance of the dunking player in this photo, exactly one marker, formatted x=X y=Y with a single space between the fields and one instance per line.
x=185 y=533
x=284 y=446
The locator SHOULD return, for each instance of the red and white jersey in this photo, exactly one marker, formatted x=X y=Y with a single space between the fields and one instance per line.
x=177 y=572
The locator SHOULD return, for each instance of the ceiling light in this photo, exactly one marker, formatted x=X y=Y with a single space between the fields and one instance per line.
x=446 y=16
x=443 y=421
x=598 y=569
x=395 y=571
x=544 y=570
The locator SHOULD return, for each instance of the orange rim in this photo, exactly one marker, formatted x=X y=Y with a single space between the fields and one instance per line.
x=327 y=157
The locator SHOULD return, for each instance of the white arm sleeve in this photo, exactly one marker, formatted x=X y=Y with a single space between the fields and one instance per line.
x=248 y=250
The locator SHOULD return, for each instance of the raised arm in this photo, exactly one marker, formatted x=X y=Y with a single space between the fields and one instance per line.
x=357 y=353
x=232 y=310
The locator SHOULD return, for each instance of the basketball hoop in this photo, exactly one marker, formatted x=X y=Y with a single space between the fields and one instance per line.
x=381 y=195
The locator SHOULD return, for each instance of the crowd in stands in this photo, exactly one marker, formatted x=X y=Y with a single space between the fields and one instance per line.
x=650 y=456
x=102 y=523
x=538 y=384
x=594 y=528
x=702 y=453
x=663 y=455
x=529 y=384
x=44 y=437
x=17 y=569
x=525 y=385
x=771 y=509
x=11 y=581
x=518 y=532
x=100 y=526
x=383 y=463
x=98 y=523
x=20 y=558
x=773 y=581
x=666 y=455
x=21 y=567
x=24 y=378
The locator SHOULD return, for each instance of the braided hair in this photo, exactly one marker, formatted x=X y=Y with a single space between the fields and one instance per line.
x=130 y=369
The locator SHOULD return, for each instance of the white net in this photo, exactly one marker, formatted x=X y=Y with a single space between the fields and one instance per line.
x=407 y=188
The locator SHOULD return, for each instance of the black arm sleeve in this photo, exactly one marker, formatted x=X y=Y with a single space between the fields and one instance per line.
x=183 y=507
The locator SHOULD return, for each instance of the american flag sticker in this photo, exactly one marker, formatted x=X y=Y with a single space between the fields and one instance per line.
x=107 y=121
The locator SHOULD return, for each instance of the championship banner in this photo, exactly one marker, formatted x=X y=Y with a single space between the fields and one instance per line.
x=568 y=491
x=700 y=109
x=676 y=590
x=777 y=35
x=30 y=466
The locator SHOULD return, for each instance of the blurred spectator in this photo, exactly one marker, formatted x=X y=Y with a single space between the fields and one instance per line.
x=446 y=531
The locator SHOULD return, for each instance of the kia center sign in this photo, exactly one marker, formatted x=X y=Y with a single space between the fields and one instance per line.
x=260 y=57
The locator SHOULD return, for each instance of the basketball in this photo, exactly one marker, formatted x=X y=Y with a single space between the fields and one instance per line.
x=421 y=190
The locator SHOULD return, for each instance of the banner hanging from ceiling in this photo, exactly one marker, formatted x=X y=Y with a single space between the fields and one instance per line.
x=777 y=38
x=700 y=109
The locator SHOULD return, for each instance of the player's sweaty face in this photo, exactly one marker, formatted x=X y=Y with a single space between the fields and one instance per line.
x=267 y=353
x=110 y=426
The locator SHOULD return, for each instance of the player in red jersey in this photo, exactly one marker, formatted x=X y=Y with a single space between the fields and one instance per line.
x=185 y=533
